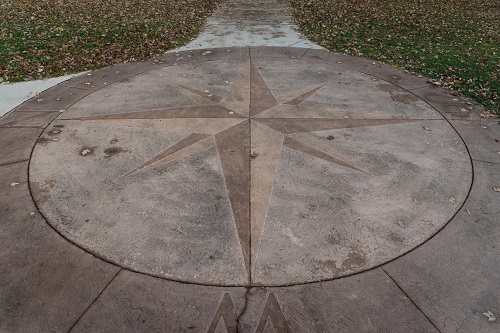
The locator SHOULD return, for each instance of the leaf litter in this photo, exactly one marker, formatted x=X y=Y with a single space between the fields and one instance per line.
x=46 y=38
x=456 y=44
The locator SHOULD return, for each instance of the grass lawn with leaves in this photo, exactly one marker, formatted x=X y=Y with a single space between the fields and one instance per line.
x=46 y=38
x=456 y=43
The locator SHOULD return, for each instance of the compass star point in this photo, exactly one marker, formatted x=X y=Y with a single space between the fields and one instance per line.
x=299 y=99
x=198 y=96
x=248 y=118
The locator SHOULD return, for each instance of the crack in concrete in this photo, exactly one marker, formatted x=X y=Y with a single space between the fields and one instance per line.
x=245 y=306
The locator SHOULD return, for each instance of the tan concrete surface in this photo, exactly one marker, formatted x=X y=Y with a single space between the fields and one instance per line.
x=354 y=175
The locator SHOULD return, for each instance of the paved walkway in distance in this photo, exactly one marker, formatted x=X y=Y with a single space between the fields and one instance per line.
x=250 y=23
x=249 y=189
x=236 y=23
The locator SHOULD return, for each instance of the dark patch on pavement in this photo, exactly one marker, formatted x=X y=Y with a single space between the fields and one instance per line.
x=110 y=152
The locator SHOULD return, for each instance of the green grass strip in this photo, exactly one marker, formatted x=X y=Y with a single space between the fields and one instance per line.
x=456 y=43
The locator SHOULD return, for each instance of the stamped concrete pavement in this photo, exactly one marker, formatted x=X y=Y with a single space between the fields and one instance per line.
x=249 y=189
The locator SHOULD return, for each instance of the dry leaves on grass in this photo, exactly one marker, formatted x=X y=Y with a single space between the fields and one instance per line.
x=46 y=38
x=455 y=43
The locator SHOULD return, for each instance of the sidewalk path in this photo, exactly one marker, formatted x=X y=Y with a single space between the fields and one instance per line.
x=250 y=23
x=236 y=23
x=13 y=94
x=249 y=189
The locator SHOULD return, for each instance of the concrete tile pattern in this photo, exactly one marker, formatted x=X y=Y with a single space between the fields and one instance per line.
x=45 y=285
x=196 y=182
x=249 y=190
x=462 y=279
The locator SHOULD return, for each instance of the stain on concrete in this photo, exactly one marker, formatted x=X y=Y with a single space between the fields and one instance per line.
x=326 y=265
x=41 y=191
x=355 y=259
x=311 y=207
x=404 y=98
x=44 y=141
x=112 y=151
x=394 y=239
x=54 y=132
x=387 y=87
x=397 y=94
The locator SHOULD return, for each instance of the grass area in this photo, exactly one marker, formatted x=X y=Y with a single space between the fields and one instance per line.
x=45 y=38
x=456 y=43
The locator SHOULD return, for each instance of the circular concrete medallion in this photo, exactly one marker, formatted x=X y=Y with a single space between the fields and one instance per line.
x=249 y=171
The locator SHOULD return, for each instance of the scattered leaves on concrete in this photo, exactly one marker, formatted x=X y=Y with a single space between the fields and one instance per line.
x=490 y=315
x=454 y=43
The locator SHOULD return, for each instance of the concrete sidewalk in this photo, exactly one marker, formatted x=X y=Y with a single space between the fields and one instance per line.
x=236 y=23
x=14 y=94
x=249 y=189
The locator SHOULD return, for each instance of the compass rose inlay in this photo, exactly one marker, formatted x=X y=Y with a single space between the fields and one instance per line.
x=250 y=126
x=229 y=122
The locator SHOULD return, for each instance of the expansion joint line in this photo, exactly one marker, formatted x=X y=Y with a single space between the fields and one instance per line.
x=95 y=300
x=414 y=304
x=250 y=250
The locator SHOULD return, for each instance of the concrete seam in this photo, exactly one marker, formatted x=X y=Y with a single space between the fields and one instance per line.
x=65 y=84
x=483 y=161
x=309 y=49
x=15 y=162
x=415 y=304
x=33 y=111
x=193 y=55
x=422 y=87
x=250 y=250
x=92 y=303
x=21 y=126
x=300 y=41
